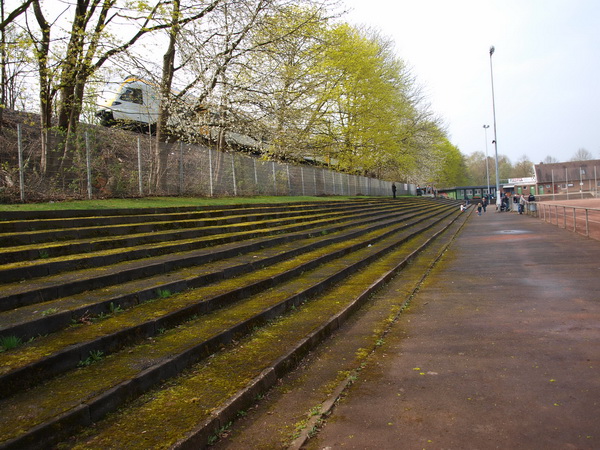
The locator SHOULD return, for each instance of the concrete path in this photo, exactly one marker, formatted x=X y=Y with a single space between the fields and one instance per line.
x=499 y=349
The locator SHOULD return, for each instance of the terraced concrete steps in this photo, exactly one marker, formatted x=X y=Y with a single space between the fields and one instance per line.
x=35 y=260
x=161 y=274
x=336 y=247
x=205 y=305
x=157 y=231
x=28 y=232
x=323 y=223
x=68 y=309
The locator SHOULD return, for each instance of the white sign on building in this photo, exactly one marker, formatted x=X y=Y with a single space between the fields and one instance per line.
x=528 y=180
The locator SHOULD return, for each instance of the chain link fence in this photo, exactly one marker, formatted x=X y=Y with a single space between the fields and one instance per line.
x=116 y=163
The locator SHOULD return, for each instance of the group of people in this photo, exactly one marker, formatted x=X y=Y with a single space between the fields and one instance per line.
x=504 y=203
x=428 y=190
x=482 y=205
x=519 y=199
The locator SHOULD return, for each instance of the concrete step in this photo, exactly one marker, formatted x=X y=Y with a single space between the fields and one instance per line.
x=202 y=402
x=129 y=352
x=60 y=242
x=94 y=227
x=86 y=253
x=26 y=368
x=48 y=304
x=134 y=262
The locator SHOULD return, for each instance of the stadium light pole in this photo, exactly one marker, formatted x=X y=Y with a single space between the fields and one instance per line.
x=487 y=163
x=492 y=49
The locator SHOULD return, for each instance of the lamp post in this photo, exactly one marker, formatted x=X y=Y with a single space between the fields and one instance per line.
x=487 y=165
x=492 y=49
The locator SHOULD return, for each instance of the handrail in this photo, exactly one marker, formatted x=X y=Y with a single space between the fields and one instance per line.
x=577 y=218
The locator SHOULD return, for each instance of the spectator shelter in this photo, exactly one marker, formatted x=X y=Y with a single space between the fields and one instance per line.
x=568 y=179
x=467 y=192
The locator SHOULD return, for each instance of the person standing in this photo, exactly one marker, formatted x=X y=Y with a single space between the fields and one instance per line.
x=521 y=204
x=506 y=202
x=479 y=208
x=394 y=189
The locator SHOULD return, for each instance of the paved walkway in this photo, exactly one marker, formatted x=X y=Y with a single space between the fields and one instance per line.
x=499 y=349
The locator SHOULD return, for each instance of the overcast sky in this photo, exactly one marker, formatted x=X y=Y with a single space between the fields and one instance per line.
x=546 y=69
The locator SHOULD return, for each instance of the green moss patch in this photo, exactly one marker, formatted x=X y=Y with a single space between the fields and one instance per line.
x=165 y=415
x=83 y=384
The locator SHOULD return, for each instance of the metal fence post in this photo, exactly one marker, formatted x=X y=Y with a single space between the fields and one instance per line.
x=233 y=176
x=88 y=165
x=21 y=170
x=255 y=172
x=580 y=182
x=180 y=168
x=333 y=182
x=139 y=155
x=210 y=171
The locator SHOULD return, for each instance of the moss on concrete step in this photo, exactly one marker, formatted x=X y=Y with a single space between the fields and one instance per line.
x=168 y=273
x=22 y=367
x=175 y=412
x=146 y=351
x=93 y=253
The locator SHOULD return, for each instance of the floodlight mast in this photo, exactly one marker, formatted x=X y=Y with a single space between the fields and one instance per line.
x=498 y=201
x=487 y=165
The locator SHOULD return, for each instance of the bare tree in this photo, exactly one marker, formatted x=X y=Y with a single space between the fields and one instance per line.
x=4 y=23
x=523 y=168
x=86 y=50
x=176 y=22
x=207 y=48
x=582 y=155
x=550 y=160
x=41 y=47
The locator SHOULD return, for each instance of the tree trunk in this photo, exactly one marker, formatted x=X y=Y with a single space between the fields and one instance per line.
x=3 y=64
x=42 y=50
x=162 y=151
